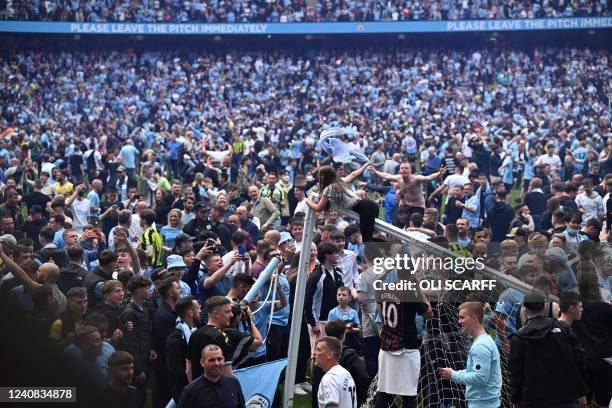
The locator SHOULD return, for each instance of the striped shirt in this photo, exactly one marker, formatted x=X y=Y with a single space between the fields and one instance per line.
x=152 y=237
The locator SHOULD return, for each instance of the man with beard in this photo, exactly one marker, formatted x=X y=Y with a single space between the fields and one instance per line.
x=119 y=392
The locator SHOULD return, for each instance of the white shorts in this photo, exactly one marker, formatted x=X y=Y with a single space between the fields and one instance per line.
x=398 y=372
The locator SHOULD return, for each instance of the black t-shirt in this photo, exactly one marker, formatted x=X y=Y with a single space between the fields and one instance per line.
x=76 y=160
x=32 y=228
x=111 y=220
x=36 y=198
x=201 y=338
x=399 y=327
x=453 y=213
x=125 y=399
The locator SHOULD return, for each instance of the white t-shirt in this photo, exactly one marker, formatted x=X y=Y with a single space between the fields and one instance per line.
x=592 y=205
x=301 y=207
x=238 y=267
x=80 y=209
x=454 y=180
x=337 y=388
x=554 y=161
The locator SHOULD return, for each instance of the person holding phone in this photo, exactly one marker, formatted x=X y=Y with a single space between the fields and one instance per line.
x=243 y=265
x=80 y=207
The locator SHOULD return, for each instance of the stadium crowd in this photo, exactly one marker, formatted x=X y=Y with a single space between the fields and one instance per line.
x=144 y=195
x=287 y=11
x=279 y=99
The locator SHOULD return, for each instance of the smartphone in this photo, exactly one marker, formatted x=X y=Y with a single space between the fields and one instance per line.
x=211 y=243
x=241 y=250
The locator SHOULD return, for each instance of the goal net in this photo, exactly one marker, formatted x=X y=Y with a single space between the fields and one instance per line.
x=443 y=344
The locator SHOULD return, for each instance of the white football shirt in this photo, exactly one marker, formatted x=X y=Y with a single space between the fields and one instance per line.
x=337 y=388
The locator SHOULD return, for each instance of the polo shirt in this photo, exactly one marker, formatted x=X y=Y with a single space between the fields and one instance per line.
x=203 y=393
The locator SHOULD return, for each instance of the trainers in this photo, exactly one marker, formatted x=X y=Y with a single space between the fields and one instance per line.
x=306 y=387
x=299 y=391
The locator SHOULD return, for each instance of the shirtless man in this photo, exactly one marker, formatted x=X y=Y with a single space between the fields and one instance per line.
x=409 y=191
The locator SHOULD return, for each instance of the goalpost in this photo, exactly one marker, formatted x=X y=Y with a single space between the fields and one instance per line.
x=443 y=343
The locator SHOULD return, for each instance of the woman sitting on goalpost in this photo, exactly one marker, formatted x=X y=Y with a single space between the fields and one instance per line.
x=334 y=190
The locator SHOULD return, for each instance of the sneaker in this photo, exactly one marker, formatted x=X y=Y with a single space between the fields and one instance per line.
x=299 y=391
x=306 y=387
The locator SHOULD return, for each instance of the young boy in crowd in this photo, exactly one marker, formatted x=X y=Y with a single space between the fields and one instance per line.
x=349 y=316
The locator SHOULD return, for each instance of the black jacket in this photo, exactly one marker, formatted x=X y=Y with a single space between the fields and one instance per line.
x=32 y=228
x=59 y=256
x=498 y=219
x=137 y=341
x=355 y=365
x=594 y=329
x=71 y=276
x=536 y=202
x=320 y=296
x=252 y=229
x=195 y=227
x=164 y=322
x=90 y=282
x=113 y=314
x=176 y=354
x=546 y=365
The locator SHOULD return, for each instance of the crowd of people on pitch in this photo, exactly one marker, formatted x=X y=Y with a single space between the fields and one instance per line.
x=142 y=196
x=274 y=101
x=288 y=11
x=134 y=261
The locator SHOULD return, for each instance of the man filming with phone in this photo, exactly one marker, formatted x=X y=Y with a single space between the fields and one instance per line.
x=216 y=282
x=80 y=207
x=243 y=265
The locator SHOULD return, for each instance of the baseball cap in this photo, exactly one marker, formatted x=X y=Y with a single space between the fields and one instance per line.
x=36 y=209
x=534 y=301
x=180 y=238
x=199 y=205
x=8 y=239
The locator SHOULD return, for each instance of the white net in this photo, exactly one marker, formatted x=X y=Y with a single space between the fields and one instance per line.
x=443 y=342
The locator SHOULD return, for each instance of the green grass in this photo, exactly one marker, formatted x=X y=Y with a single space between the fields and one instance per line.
x=302 y=401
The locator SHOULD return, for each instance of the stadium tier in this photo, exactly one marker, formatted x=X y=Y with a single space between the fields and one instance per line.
x=288 y=11
x=430 y=93
x=369 y=210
